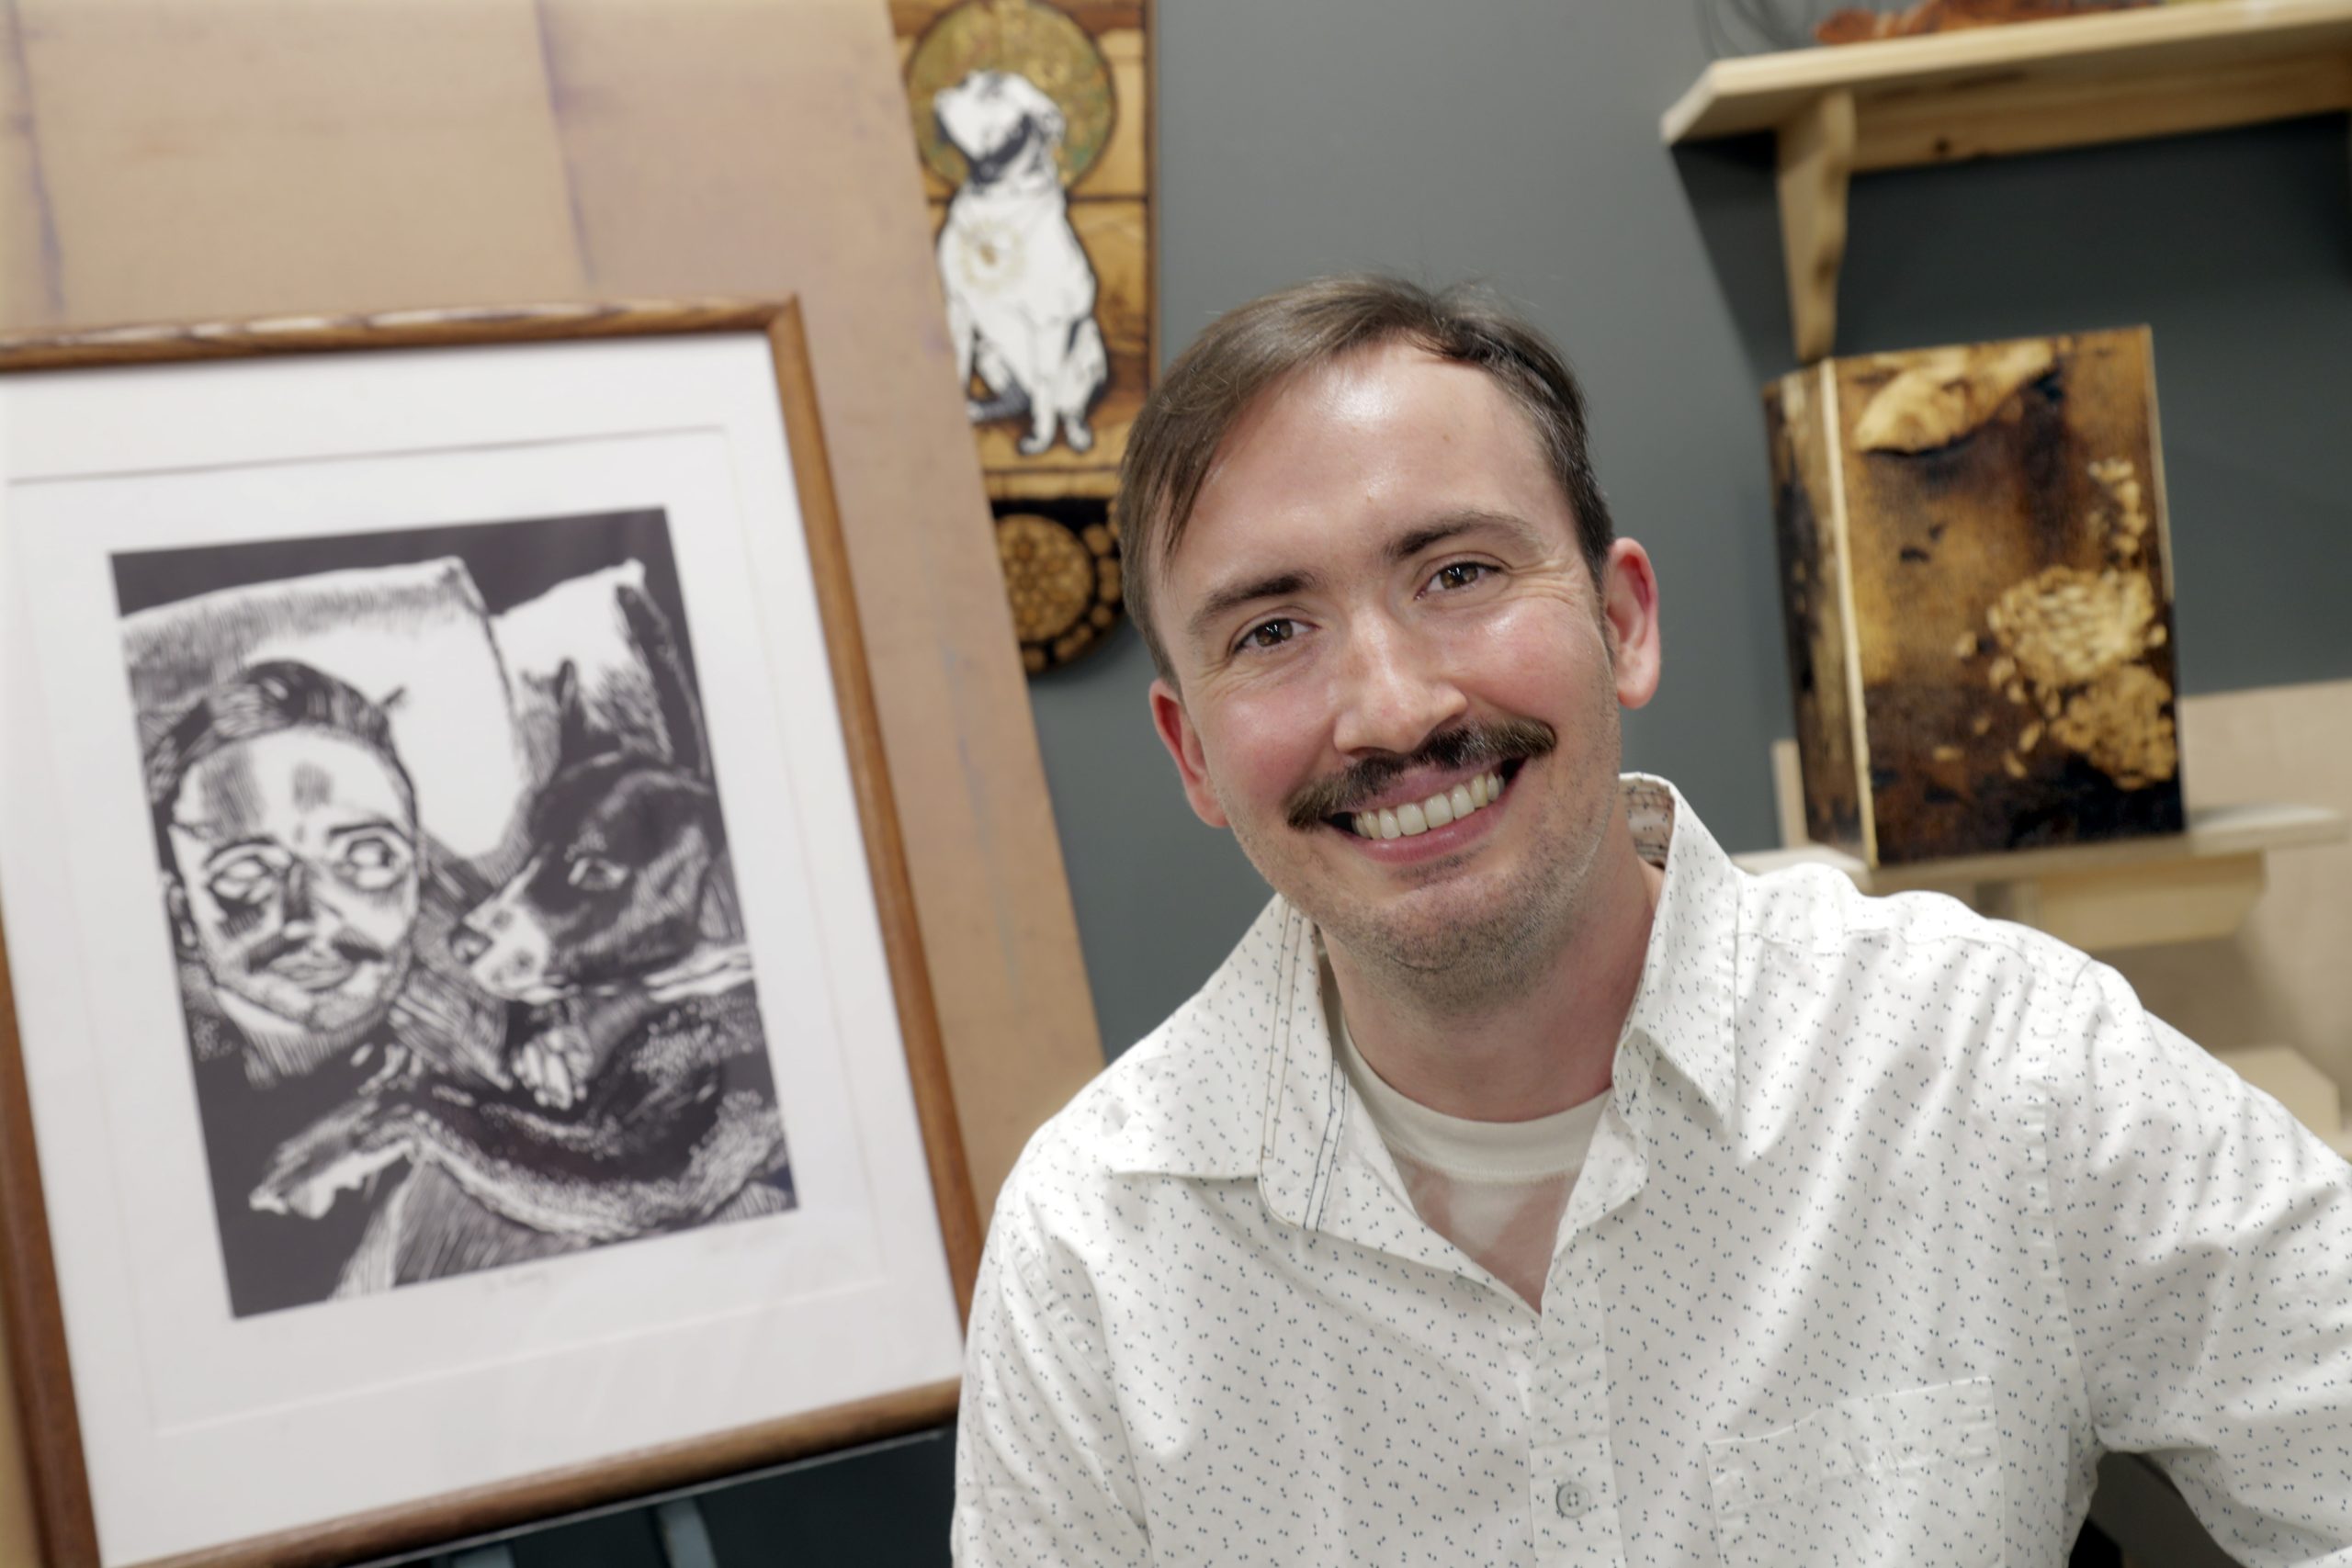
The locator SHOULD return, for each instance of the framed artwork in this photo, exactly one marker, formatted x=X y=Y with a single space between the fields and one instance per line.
x=1034 y=123
x=466 y=1051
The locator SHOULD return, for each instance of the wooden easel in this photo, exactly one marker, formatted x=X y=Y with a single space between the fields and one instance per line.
x=162 y=160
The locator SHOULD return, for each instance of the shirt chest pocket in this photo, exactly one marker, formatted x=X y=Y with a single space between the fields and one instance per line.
x=1911 y=1478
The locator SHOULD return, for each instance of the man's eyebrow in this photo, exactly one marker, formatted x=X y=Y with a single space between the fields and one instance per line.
x=1403 y=548
x=1231 y=597
x=369 y=825
x=1437 y=530
x=223 y=848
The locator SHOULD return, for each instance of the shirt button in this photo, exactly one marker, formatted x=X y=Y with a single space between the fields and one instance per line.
x=1569 y=1498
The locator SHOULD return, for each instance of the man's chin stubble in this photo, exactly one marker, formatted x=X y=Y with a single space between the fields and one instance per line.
x=1449 y=966
x=1465 y=965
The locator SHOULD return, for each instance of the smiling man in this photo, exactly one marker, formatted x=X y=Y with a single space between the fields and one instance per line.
x=1531 y=1186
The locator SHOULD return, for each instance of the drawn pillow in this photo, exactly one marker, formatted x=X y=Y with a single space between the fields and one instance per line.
x=580 y=621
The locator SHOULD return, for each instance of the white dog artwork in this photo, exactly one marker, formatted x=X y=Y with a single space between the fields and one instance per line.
x=1020 y=288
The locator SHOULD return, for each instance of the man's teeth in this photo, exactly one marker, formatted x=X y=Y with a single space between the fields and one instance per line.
x=1446 y=806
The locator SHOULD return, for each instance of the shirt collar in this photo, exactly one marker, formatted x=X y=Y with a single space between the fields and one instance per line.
x=1243 y=1079
x=1683 y=1009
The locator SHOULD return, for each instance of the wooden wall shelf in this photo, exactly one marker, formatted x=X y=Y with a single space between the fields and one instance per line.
x=2128 y=893
x=2190 y=886
x=2029 y=87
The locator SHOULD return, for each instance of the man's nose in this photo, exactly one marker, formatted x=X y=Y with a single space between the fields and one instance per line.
x=1394 y=692
x=299 y=900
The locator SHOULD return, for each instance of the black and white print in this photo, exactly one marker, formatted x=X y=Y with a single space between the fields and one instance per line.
x=445 y=866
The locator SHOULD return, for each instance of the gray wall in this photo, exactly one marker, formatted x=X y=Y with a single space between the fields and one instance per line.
x=1517 y=140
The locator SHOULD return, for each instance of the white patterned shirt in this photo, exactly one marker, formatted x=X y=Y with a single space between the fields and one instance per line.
x=1495 y=1189
x=1895 y=1219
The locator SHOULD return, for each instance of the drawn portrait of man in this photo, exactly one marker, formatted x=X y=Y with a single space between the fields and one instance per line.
x=287 y=829
x=382 y=770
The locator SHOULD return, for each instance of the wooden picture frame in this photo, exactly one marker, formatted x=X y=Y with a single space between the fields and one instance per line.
x=898 y=1102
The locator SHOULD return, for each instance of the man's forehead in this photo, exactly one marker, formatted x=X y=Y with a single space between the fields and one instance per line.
x=301 y=769
x=1347 y=456
x=1367 y=383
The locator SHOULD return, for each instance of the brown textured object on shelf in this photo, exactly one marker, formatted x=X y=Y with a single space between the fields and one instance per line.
x=1859 y=25
x=1979 y=598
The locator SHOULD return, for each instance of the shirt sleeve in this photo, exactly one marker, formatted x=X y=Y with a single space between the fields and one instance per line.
x=1042 y=1474
x=2205 y=1239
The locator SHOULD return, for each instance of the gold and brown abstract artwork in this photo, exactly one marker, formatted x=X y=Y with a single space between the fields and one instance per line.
x=1978 y=596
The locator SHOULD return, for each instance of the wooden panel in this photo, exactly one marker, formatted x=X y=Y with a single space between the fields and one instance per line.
x=29 y=267
x=167 y=160
x=335 y=161
x=19 y=1539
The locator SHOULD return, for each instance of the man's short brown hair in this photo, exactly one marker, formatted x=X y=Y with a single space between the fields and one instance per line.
x=1248 y=350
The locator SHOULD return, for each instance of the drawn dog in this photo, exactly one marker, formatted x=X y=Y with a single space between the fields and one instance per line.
x=1020 y=288
x=642 y=1098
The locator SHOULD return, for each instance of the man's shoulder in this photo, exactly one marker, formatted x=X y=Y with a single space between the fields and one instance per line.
x=1811 y=918
x=1188 y=1099
x=1180 y=1102
x=1817 y=909
x=1833 y=979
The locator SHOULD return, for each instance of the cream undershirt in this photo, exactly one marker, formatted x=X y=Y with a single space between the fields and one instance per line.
x=1495 y=1189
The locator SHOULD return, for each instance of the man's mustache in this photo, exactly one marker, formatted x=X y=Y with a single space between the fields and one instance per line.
x=1469 y=745
x=344 y=944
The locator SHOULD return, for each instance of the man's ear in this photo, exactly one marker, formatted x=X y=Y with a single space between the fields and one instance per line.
x=1184 y=743
x=1629 y=620
x=175 y=910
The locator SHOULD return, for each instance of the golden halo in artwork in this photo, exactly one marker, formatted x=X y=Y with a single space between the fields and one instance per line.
x=1029 y=38
x=1062 y=582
